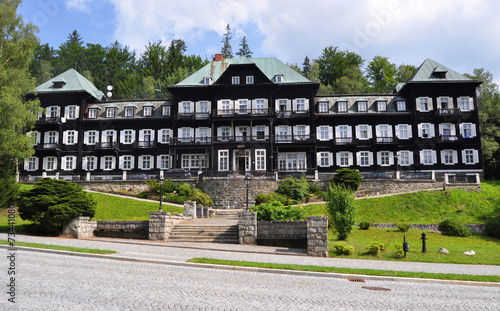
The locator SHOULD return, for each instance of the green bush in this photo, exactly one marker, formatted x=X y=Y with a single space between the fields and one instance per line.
x=169 y=186
x=403 y=227
x=398 y=248
x=365 y=225
x=492 y=227
x=454 y=227
x=275 y=211
x=177 y=199
x=143 y=195
x=51 y=204
x=295 y=189
x=320 y=194
x=154 y=186
x=341 y=208
x=343 y=248
x=375 y=248
x=347 y=177
x=201 y=198
x=313 y=188
x=262 y=198
x=185 y=190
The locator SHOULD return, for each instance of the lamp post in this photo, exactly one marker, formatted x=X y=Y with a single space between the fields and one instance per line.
x=247 y=182
x=162 y=179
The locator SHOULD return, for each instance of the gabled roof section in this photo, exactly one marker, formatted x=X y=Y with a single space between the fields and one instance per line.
x=432 y=71
x=70 y=81
x=270 y=67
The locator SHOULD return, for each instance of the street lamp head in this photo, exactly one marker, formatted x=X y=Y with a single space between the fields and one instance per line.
x=247 y=179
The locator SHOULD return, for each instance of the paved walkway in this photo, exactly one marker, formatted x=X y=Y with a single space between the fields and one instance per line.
x=181 y=251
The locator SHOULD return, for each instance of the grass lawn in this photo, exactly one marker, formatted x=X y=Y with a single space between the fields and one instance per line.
x=61 y=248
x=487 y=249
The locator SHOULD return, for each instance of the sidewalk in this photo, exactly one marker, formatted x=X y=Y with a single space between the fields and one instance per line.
x=181 y=251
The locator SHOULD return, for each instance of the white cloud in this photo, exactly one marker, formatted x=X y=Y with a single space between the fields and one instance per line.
x=79 y=5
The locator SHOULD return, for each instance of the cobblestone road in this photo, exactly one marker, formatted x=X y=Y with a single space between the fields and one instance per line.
x=59 y=282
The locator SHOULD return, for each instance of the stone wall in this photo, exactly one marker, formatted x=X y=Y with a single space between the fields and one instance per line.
x=247 y=226
x=473 y=227
x=80 y=227
x=282 y=233
x=125 y=187
x=231 y=193
x=394 y=186
x=122 y=229
x=317 y=236
x=161 y=225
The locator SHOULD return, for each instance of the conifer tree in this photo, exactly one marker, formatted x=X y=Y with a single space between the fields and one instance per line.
x=227 y=51
x=244 y=49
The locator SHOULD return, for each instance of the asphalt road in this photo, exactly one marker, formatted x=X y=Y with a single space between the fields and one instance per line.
x=60 y=282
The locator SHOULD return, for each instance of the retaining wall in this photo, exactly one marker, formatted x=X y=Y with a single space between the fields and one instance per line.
x=472 y=227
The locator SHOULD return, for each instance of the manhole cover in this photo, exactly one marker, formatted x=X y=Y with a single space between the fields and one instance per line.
x=377 y=288
x=356 y=280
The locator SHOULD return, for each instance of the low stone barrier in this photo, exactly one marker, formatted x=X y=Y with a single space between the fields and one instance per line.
x=122 y=229
x=473 y=227
x=282 y=233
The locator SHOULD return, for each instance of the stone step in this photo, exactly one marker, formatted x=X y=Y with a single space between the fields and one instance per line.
x=204 y=239
x=192 y=232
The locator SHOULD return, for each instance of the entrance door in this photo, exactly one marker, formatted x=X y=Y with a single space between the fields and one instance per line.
x=241 y=164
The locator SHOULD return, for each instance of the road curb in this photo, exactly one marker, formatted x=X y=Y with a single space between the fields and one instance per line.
x=253 y=269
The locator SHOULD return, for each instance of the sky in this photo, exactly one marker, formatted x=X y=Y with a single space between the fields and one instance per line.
x=460 y=34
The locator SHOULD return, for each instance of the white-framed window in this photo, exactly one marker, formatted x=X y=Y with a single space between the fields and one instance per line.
x=424 y=104
x=283 y=105
x=53 y=111
x=364 y=132
x=70 y=137
x=129 y=111
x=381 y=106
x=207 y=80
x=71 y=112
x=401 y=105
x=323 y=133
x=89 y=163
x=403 y=131
x=186 y=134
x=68 y=163
x=51 y=137
x=243 y=106
x=385 y=158
x=260 y=159
x=465 y=103
x=225 y=133
x=260 y=132
x=325 y=159
x=93 y=113
x=164 y=136
x=428 y=157
x=110 y=112
x=108 y=136
x=301 y=132
x=194 y=161
x=468 y=130
x=203 y=134
x=292 y=161
x=444 y=102
x=223 y=160
x=50 y=163
x=344 y=159
x=235 y=80
x=342 y=106
x=90 y=137
x=301 y=104
x=186 y=107
x=343 y=134
x=165 y=110
x=449 y=157
x=364 y=158
x=249 y=79
x=127 y=136
x=163 y=162
x=448 y=131
x=323 y=107
x=147 y=111
x=426 y=130
x=405 y=158
x=31 y=164
x=278 y=78
x=283 y=133
x=470 y=156
x=226 y=106
x=108 y=163
x=203 y=107
x=362 y=106
x=260 y=105
x=126 y=162
x=384 y=133
x=145 y=162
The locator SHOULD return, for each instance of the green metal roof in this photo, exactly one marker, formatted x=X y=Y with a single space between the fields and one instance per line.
x=69 y=81
x=270 y=67
x=425 y=73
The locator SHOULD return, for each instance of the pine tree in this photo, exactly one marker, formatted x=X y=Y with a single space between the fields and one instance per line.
x=226 y=41
x=306 y=66
x=244 y=49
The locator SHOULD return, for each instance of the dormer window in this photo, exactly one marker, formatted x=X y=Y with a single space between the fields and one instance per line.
x=129 y=111
x=401 y=105
x=249 y=79
x=59 y=83
x=362 y=107
x=207 y=80
x=147 y=111
x=381 y=106
x=235 y=80
x=278 y=78
x=439 y=73
x=165 y=110
x=110 y=112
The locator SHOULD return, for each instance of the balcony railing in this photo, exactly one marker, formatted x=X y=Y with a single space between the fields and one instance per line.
x=344 y=141
x=106 y=146
x=449 y=138
x=145 y=144
x=448 y=112
x=49 y=120
x=193 y=116
x=48 y=146
x=386 y=140
x=293 y=138
x=243 y=112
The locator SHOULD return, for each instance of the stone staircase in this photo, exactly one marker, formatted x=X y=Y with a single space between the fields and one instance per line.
x=222 y=228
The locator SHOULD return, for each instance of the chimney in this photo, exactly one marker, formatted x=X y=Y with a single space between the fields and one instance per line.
x=218 y=57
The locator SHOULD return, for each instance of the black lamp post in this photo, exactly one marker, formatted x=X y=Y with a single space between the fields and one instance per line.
x=162 y=179
x=247 y=182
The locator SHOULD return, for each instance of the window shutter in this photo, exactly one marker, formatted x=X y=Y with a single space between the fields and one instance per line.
x=318 y=135
x=358 y=158
x=471 y=103
x=440 y=129
x=44 y=164
x=266 y=103
x=397 y=130
x=337 y=131
x=434 y=156
x=473 y=130
x=391 y=158
x=76 y=137
x=26 y=164
x=475 y=154
x=417 y=105
x=351 y=159
x=120 y=162
x=86 y=137
x=58 y=111
x=370 y=158
x=370 y=132
x=77 y=112
x=139 y=165
x=63 y=163
x=102 y=163
x=294 y=105
x=330 y=133
x=419 y=129
x=141 y=135
x=442 y=157
x=65 y=137
x=84 y=163
x=318 y=159
x=421 y=154
x=432 y=130
x=289 y=105
x=306 y=104
x=377 y=130
x=330 y=159
x=455 y=157
x=450 y=103
x=357 y=131
x=410 y=157
x=379 y=157
x=453 y=130
x=431 y=106
x=408 y=127
x=66 y=112
x=338 y=158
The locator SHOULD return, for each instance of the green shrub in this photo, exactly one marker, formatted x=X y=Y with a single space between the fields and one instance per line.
x=262 y=198
x=275 y=211
x=51 y=204
x=177 y=199
x=343 y=248
x=313 y=188
x=347 y=177
x=365 y=225
x=375 y=248
x=320 y=194
x=143 y=195
x=454 y=227
x=341 y=208
x=403 y=227
x=169 y=186
x=492 y=227
x=398 y=248
x=154 y=186
x=295 y=189
x=185 y=190
x=201 y=198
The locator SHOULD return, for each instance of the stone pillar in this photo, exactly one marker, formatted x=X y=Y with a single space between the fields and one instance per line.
x=160 y=226
x=124 y=176
x=88 y=176
x=248 y=228
x=317 y=236
x=446 y=179
x=478 y=179
x=57 y=175
x=190 y=209
x=80 y=227
x=316 y=175
x=398 y=175
x=433 y=175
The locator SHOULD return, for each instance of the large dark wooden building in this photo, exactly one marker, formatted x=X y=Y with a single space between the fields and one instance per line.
x=258 y=116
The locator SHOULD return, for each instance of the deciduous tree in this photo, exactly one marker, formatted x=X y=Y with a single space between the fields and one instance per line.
x=381 y=75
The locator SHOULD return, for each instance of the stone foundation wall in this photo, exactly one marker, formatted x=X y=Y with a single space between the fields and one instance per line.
x=231 y=193
x=125 y=187
x=473 y=227
x=122 y=229
x=394 y=186
x=296 y=230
